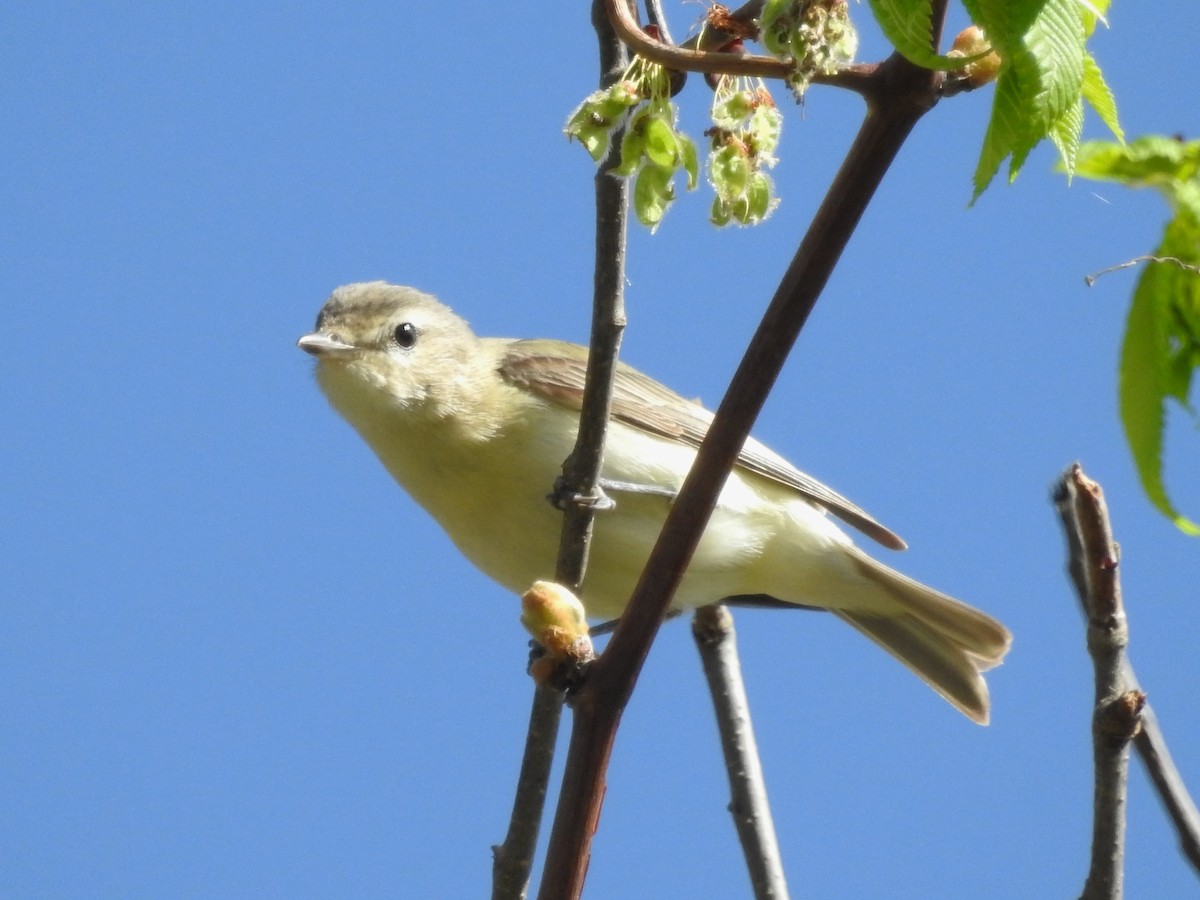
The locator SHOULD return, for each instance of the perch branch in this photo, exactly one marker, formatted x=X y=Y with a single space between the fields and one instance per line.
x=577 y=491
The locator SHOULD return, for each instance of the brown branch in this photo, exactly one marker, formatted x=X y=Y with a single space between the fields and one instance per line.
x=712 y=628
x=577 y=490
x=1116 y=716
x=855 y=77
x=658 y=19
x=1150 y=741
x=902 y=94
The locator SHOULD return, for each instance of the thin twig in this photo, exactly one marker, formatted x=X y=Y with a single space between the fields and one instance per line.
x=513 y=860
x=1150 y=741
x=1090 y=280
x=903 y=94
x=712 y=628
x=1118 y=705
x=654 y=12
x=579 y=486
x=1156 y=757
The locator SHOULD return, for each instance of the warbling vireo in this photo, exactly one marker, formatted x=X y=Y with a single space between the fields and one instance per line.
x=476 y=430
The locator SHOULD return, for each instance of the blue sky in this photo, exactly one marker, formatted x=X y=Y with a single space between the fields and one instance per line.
x=224 y=665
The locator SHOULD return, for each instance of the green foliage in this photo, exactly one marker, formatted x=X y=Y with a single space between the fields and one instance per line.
x=1045 y=76
x=908 y=25
x=598 y=117
x=1161 y=350
x=652 y=150
x=638 y=109
x=745 y=133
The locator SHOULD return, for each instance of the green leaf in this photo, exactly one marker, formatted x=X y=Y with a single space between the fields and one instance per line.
x=1148 y=377
x=1066 y=133
x=1180 y=368
x=1154 y=160
x=1182 y=242
x=1161 y=349
x=1094 y=11
x=908 y=25
x=1041 y=80
x=1007 y=129
x=1099 y=97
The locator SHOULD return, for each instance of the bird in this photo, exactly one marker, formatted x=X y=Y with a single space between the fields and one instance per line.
x=476 y=429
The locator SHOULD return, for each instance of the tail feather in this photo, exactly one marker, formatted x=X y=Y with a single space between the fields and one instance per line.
x=944 y=641
x=942 y=664
x=975 y=630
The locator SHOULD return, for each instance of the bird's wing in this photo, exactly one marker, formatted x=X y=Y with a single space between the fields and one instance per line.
x=555 y=370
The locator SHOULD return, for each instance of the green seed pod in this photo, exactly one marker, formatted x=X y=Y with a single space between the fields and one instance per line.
x=632 y=145
x=766 y=125
x=719 y=215
x=729 y=170
x=661 y=147
x=758 y=197
x=652 y=194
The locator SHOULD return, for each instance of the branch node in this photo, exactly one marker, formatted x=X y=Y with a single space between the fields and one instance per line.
x=564 y=497
x=1119 y=719
x=711 y=625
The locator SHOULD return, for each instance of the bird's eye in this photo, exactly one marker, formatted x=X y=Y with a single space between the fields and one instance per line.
x=405 y=335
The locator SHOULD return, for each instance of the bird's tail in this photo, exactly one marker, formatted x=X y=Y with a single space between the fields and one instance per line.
x=944 y=641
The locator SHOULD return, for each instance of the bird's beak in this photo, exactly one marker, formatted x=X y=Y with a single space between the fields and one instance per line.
x=324 y=346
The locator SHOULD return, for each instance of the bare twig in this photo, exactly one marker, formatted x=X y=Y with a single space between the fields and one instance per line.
x=654 y=12
x=579 y=486
x=512 y=861
x=712 y=627
x=1150 y=742
x=1090 y=280
x=1116 y=716
x=1156 y=757
x=903 y=94
x=577 y=490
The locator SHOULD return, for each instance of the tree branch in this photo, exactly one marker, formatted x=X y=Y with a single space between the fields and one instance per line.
x=1152 y=747
x=902 y=94
x=1116 y=716
x=712 y=628
x=855 y=77
x=1150 y=742
x=577 y=491
x=512 y=861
